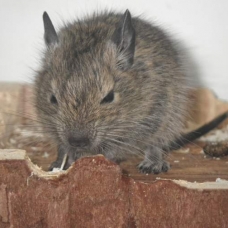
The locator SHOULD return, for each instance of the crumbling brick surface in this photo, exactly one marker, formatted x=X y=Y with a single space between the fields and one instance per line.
x=95 y=193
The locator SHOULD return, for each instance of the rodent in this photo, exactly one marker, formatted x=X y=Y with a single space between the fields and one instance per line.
x=111 y=84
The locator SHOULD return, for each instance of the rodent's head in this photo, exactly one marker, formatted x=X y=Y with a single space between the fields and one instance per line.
x=85 y=94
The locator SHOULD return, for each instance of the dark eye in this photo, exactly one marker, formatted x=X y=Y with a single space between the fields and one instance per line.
x=53 y=99
x=108 y=98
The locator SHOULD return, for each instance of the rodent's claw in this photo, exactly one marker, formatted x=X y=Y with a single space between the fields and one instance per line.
x=55 y=164
x=58 y=164
x=153 y=167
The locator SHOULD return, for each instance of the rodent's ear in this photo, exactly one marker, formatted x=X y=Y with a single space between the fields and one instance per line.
x=50 y=35
x=124 y=38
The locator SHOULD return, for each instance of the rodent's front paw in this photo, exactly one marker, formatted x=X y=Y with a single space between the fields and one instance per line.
x=55 y=164
x=147 y=166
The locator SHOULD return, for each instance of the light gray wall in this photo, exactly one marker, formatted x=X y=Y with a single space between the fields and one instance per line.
x=201 y=24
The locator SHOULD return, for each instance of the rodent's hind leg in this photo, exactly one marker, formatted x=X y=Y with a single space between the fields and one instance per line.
x=153 y=162
x=59 y=160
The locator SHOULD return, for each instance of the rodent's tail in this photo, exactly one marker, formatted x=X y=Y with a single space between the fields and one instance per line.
x=193 y=135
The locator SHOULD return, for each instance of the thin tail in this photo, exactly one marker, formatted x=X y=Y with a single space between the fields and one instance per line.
x=193 y=135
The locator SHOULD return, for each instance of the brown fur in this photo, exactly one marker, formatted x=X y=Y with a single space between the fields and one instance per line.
x=150 y=97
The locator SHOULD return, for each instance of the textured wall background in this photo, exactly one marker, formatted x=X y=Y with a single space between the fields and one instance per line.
x=201 y=24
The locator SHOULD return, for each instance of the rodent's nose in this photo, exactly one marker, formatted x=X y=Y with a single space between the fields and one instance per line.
x=78 y=141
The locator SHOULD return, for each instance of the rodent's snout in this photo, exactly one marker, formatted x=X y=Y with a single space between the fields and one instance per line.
x=79 y=137
x=79 y=141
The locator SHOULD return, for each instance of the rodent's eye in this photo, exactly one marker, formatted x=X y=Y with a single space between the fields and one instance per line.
x=108 y=98
x=53 y=99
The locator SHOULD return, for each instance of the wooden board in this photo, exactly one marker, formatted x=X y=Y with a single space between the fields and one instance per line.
x=94 y=193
